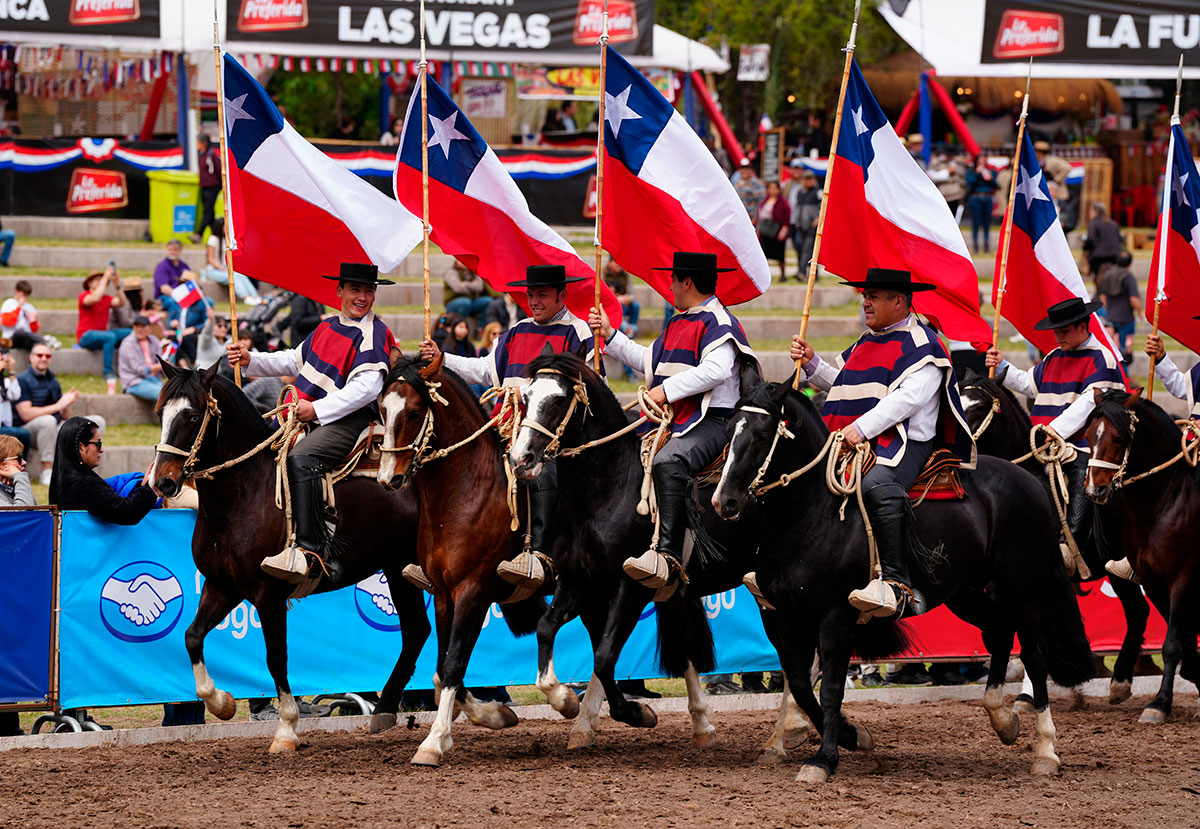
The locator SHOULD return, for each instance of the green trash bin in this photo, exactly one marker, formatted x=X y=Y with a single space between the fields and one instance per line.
x=174 y=202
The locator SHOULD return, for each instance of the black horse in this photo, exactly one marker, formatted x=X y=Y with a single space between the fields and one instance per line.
x=995 y=564
x=599 y=527
x=1129 y=438
x=238 y=524
x=1006 y=435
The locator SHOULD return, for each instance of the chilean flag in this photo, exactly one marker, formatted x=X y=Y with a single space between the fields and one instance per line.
x=663 y=192
x=1176 y=261
x=187 y=294
x=884 y=212
x=1041 y=269
x=296 y=214
x=476 y=211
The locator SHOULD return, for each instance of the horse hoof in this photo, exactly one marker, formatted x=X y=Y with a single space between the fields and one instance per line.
x=508 y=717
x=1118 y=692
x=1023 y=704
x=281 y=745
x=381 y=723
x=797 y=737
x=581 y=739
x=649 y=718
x=1152 y=716
x=1008 y=735
x=570 y=708
x=426 y=757
x=223 y=706
x=1044 y=767
x=865 y=741
x=703 y=741
x=812 y=775
x=771 y=757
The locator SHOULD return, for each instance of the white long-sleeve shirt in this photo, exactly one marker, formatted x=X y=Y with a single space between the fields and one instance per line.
x=1176 y=381
x=360 y=391
x=917 y=399
x=1074 y=416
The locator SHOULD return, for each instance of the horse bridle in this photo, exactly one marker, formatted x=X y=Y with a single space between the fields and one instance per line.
x=211 y=410
x=992 y=412
x=781 y=430
x=579 y=396
x=1119 y=474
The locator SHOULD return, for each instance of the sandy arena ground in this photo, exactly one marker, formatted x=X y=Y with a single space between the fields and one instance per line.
x=936 y=764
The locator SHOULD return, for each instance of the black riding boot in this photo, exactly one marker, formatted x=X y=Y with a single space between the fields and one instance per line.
x=891 y=593
x=1079 y=508
x=530 y=570
x=654 y=568
x=304 y=478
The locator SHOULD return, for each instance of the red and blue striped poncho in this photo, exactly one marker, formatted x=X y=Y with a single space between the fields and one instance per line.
x=519 y=345
x=1064 y=376
x=338 y=349
x=686 y=341
x=874 y=367
x=1194 y=392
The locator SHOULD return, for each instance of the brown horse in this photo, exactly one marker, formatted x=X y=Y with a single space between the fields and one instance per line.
x=237 y=525
x=463 y=530
x=1130 y=439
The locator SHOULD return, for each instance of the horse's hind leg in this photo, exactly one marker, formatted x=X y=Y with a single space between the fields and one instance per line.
x=791 y=727
x=561 y=698
x=414 y=630
x=273 y=615
x=1137 y=612
x=622 y=618
x=835 y=642
x=1045 y=760
x=703 y=732
x=213 y=606
x=976 y=608
x=1159 y=708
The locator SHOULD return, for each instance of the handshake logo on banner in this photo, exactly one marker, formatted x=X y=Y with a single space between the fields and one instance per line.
x=373 y=600
x=141 y=602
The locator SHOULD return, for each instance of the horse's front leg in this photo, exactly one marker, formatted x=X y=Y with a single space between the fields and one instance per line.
x=1159 y=708
x=414 y=631
x=835 y=644
x=273 y=615
x=561 y=698
x=1137 y=612
x=791 y=728
x=215 y=603
x=621 y=620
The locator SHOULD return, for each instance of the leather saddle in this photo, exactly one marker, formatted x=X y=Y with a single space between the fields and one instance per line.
x=363 y=460
x=939 y=480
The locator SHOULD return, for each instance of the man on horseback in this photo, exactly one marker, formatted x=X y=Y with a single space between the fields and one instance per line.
x=1063 y=389
x=339 y=372
x=897 y=390
x=550 y=325
x=693 y=365
x=1185 y=386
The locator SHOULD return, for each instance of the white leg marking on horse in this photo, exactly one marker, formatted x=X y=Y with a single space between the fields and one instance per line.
x=289 y=717
x=439 y=741
x=702 y=730
x=494 y=715
x=219 y=703
x=561 y=698
x=729 y=462
x=1005 y=723
x=583 y=732
x=205 y=689
x=540 y=392
x=393 y=405
x=1045 y=760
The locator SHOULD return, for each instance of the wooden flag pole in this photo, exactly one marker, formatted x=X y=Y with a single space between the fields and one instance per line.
x=425 y=174
x=1006 y=236
x=837 y=126
x=1160 y=294
x=600 y=172
x=230 y=238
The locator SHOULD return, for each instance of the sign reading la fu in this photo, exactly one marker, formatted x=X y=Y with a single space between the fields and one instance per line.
x=131 y=18
x=488 y=25
x=1113 y=32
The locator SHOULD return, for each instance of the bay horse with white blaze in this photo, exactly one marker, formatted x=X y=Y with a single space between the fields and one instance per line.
x=207 y=421
x=1002 y=575
x=1142 y=461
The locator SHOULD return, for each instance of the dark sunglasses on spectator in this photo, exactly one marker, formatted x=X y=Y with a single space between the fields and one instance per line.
x=13 y=458
x=42 y=356
x=99 y=444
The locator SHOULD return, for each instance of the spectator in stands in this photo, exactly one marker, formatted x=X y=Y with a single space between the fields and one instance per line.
x=487 y=340
x=10 y=392
x=42 y=406
x=1118 y=290
x=946 y=172
x=159 y=321
x=805 y=203
x=1103 y=243
x=347 y=129
x=503 y=311
x=214 y=267
x=981 y=189
x=187 y=323
x=817 y=144
x=19 y=319
x=466 y=293
x=441 y=330
x=306 y=314
x=773 y=220
x=568 y=116
x=168 y=273
x=210 y=346
x=15 y=489
x=553 y=122
x=392 y=137
x=263 y=392
x=458 y=338
x=121 y=316
x=93 y=332
x=750 y=189
x=137 y=362
x=210 y=184
x=7 y=237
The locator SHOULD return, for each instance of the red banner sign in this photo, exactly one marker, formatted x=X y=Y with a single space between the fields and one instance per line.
x=272 y=15
x=99 y=12
x=94 y=190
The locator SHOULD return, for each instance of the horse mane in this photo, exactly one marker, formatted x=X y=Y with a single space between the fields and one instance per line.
x=1112 y=408
x=973 y=379
x=190 y=385
x=601 y=400
x=408 y=369
x=795 y=405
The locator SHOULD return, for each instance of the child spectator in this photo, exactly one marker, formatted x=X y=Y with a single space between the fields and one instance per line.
x=214 y=267
x=19 y=319
x=458 y=340
x=93 y=332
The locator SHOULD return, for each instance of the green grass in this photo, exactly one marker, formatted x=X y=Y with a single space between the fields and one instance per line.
x=132 y=434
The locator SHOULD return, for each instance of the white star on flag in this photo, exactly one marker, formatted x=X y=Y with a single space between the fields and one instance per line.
x=1180 y=193
x=235 y=113
x=445 y=132
x=616 y=110
x=1031 y=188
x=859 y=125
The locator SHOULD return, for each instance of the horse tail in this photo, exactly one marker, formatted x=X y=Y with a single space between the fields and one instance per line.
x=1064 y=640
x=522 y=617
x=880 y=639
x=684 y=636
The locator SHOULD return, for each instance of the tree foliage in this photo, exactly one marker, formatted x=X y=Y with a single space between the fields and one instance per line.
x=311 y=101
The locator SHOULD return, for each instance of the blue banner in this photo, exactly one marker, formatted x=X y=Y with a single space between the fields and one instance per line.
x=128 y=595
x=26 y=600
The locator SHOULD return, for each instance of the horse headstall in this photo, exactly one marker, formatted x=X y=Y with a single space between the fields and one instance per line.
x=1118 y=478
x=578 y=397
x=211 y=410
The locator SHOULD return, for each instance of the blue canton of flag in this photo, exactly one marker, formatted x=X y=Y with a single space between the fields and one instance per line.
x=861 y=117
x=251 y=117
x=455 y=147
x=1185 y=188
x=1033 y=209
x=635 y=113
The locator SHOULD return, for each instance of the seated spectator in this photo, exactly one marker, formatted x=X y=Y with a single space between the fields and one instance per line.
x=491 y=332
x=466 y=294
x=42 y=406
x=121 y=316
x=214 y=267
x=15 y=489
x=262 y=392
x=10 y=392
x=392 y=137
x=504 y=311
x=93 y=332
x=7 y=237
x=19 y=319
x=210 y=345
x=187 y=323
x=168 y=272
x=441 y=330
x=159 y=321
x=137 y=362
x=458 y=340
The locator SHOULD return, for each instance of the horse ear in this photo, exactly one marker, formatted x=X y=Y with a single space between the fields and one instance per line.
x=209 y=374
x=546 y=350
x=749 y=374
x=970 y=375
x=433 y=368
x=394 y=356
x=1098 y=396
x=580 y=351
x=1133 y=398
x=169 y=371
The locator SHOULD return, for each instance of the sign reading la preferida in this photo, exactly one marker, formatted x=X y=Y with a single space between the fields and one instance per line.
x=272 y=15
x=754 y=62
x=128 y=18
x=99 y=12
x=622 y=22
x=93 y=190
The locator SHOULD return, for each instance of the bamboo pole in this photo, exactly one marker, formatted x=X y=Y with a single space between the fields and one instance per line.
x=600 y=172
x=1006 y=236
x=837 y=127
x=425 y=175
x=1160 y=294
x=230 y=238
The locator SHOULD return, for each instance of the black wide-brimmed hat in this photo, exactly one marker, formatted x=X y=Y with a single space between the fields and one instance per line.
x=360 y=273
x=545 y=276
x=688 y=263
x=890 y=279
x=1067 y=312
